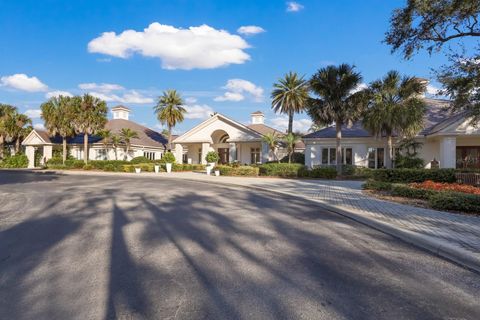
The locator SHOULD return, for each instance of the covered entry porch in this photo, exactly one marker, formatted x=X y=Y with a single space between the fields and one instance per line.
x=38 y=148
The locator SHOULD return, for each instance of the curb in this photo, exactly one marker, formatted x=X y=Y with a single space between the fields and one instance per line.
x=439 y=248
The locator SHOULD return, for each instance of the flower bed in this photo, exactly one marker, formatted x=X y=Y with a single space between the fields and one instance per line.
x=440 y=186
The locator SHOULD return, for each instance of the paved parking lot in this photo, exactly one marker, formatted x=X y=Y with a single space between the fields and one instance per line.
x=95 y=247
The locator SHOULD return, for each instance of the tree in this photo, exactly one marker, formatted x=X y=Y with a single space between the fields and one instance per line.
x=116 y=141
x=289 y=96
x=395 y=108
x=127 y=135
x=6 y=112
x=432 y=24
x=106 y=136
x=337 y=100
x=58 y=113
x=169 y=111
x=18 y=126
x=272 y=140
x=291 y=140
x=90 y=118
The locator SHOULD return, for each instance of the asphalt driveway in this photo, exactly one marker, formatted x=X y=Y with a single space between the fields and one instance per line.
x=94 y=247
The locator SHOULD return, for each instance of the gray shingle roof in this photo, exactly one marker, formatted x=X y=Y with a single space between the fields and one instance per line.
x=437 y=118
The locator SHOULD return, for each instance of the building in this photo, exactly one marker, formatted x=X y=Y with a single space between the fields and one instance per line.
x=150 y=143
x=234 y=141
x=446 y=138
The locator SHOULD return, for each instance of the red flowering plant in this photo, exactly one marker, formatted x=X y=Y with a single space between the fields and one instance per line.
x=440 y=186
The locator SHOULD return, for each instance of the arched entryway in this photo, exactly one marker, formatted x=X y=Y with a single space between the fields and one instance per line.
x=221 y=145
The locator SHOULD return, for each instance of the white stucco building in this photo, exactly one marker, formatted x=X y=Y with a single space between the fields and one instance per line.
x=446 y=138
x=149 y=143
x=234 y=141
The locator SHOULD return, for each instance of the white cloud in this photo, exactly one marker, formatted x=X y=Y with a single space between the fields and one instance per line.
x=101 y=87
x=250 y=30
x=238 y=88
x=33 y=113
x=293 y=6
x=39 y=126
x=57 y=93
x=301 y=125
x=200 y=47
x=21 y=81
x=190 y=100
x=431 y=89
x=132 y=96
x=198 y=111
x=359 y=87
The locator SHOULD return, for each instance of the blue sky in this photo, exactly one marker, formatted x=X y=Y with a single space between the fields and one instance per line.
x=196 y=47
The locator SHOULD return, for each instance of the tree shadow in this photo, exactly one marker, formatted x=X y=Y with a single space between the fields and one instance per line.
x=18 y=176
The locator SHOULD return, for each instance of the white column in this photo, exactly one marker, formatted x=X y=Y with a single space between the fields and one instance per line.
x=233 y=151
x=47 y=153
x=30 y=152
x=265 y=152
x=178 y=153
x=448 y=146
x=309 y=155
x=205 y=149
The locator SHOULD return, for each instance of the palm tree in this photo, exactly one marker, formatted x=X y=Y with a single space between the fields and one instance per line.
x=169 y=111
x=90 y=118
x=290 y=140
x=272 y=140
x=17 y=129
x=127 y=135
x=336 y=102
x=58 y=113
x=106 y=136
x=6 y=112
x=396 y=108
x=289 y=96
x=116 y=141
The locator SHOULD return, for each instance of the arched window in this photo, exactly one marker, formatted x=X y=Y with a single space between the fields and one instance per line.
x=223 y=139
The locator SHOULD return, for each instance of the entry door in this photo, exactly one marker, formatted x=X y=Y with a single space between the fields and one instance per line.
x=224 y=154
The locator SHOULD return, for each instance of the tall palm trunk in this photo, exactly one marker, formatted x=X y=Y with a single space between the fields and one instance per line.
x=169 y=138
x=338 y=128
x=290 y=122
x=64 y=149
x=85 y=148
x=389 y=152
x=2 y=146
x=17 y=145
x=127 y=150
x=115 y=150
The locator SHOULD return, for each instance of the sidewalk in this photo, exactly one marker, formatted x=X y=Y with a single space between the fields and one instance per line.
x=452 y=236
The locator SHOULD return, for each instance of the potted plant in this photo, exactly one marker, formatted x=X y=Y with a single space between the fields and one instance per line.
x=217 y=173
x=212 y=158
x=138 y=169
x=168 y=158
x=157 y=167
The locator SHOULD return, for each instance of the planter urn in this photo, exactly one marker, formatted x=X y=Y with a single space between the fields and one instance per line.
x=209 y=170
x=169 y=167
x=138 y=170
x=217 y=173
x=157 y=168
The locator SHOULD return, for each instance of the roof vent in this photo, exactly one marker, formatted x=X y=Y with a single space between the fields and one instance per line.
x=120 y=112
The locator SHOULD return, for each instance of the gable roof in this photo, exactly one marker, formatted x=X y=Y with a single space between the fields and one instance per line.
x=264 y=129
x=437 y=117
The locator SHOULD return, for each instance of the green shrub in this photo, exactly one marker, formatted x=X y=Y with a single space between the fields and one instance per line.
x=246 y=171
x=408 y=162
x=414 y=175
x=351 y=171
x=455 y=201
x=87 y=166
x=140 y=160
x=402 y=190
x=187 y=167
x=168 y=157
x=212 y=157
x=16 y=161
x=284 y=170
x=74 y=164
x=371 y=184
x=109 y=167
x=102 y=164
x=146 y=167
x=297 y=157
x=318 y=172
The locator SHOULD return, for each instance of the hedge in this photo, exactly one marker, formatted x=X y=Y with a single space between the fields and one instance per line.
x=140 y=159
x=284 y=170
x=401 y=190
x=16 y=161
x=106 y=165
x=455 y=201
x=187 y=167
x=246 y=171
x=319 y=172
x=377 y=185
x=414 y=175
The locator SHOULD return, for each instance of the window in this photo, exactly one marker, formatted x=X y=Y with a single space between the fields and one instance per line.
x=79 y=154
x=255 y=155
x=329 y=156
x=101 y=154
x=149 y=155
x=184 y=158
x=200 y=155
x=376 y=158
